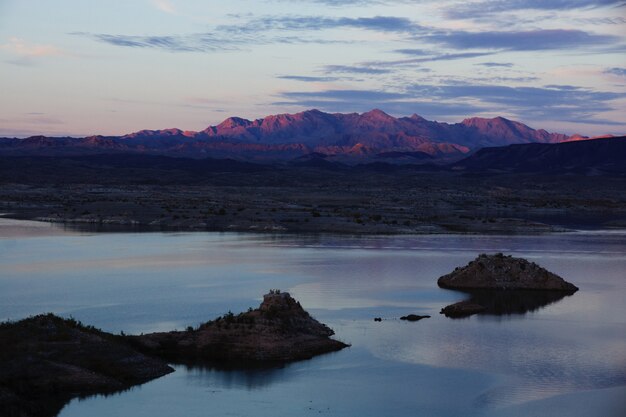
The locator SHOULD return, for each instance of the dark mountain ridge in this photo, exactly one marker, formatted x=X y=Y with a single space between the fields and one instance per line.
x=349 y=138
x=588 y=157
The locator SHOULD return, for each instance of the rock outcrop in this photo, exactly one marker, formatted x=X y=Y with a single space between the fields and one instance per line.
x=279 y=330
x=499 y=284
x=45 y=361
x=500 y=272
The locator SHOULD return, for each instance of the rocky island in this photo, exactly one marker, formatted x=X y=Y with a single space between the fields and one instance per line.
x=500 y=284
x=280 y=330
x=45 y=360
x=500 y=272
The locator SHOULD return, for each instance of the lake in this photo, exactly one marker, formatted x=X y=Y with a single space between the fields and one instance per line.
x=551 y=358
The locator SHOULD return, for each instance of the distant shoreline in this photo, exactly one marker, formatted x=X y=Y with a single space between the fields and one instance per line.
x=48 y=227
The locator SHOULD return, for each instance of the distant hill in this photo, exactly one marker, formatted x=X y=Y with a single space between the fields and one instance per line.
x=348 y=138
x=589 y=157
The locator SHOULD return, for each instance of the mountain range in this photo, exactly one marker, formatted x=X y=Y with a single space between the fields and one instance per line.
x=350 y=138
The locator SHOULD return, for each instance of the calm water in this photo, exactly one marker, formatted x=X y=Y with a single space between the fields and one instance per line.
x=567 y=357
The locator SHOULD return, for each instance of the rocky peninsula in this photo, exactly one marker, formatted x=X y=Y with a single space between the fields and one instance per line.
x=280 y=330
x=45 y=360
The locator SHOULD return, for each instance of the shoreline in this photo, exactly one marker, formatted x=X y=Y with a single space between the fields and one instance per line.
x=325 y=203
x=78 y=225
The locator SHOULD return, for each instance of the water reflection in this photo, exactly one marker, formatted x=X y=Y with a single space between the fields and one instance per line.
x=510 y=302
x=227 y=376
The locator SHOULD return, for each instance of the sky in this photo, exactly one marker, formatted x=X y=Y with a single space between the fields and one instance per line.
x=83 y=67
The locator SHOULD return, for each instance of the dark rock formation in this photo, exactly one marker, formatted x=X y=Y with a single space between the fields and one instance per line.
x=499 y=285
x=504 y=273
x=413 y=317
x=46 y=360
x=278 y=331
x=588 y=157
x=462 y=309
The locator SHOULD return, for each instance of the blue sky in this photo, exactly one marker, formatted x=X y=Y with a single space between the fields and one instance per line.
x=87 y=67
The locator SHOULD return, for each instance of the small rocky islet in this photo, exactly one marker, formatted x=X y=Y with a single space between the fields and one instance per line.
x=497 y=282
x=280 y=330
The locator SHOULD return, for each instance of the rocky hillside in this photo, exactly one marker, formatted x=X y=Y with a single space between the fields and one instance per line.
x=589 y=157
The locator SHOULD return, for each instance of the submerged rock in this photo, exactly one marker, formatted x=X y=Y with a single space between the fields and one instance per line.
x=413 y=317
x=279 y=330
x=46 y=360
x=504 y=273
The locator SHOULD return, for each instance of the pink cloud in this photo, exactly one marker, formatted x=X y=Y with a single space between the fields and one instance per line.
x=21 y=47
x=164 y=6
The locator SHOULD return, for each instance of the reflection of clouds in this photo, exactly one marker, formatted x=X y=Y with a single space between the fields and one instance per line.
x=319 y=296
x=532 y=365
x=16 y=229
x=170 y=261
x=574 y=344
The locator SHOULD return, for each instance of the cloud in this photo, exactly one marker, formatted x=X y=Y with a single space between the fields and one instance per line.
x=164 y=6
x=309 y=79
x=620 y=72
x=433 y=57
x=354 y=69
x=601 y=20
x=200 y=42
x=532 y=40
x=343 y=3
x=334 y=95
x=478 y=9
x=563 y=103
x=23 y=48
x=317 y=23
x=496 y=64
x=400 y=103
x=384 y=67
x=27 y=54
x=273 y=30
